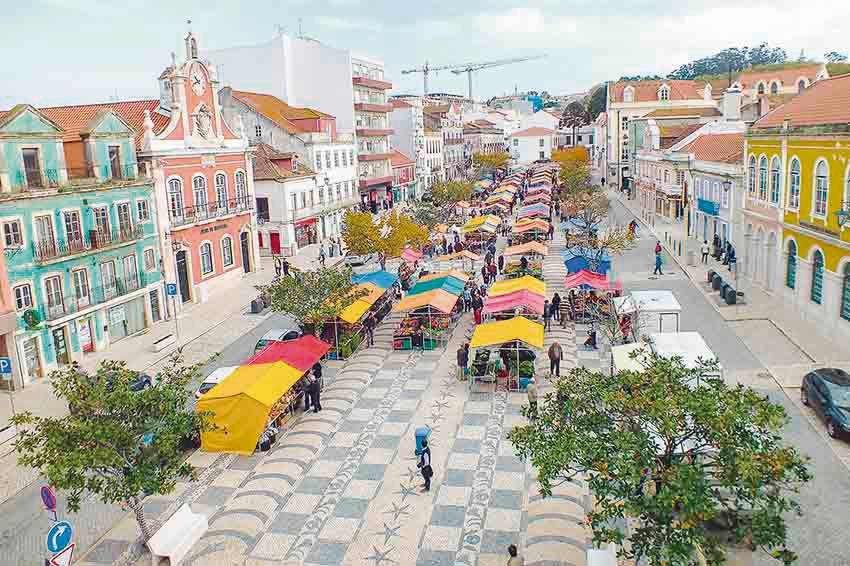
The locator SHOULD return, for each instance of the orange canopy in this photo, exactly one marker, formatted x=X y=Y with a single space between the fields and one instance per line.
x=461 y=254
x=528 y=248
x=438 y=299
x=450 y=273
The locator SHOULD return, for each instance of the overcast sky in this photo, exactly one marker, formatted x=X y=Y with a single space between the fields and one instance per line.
x=84 y=51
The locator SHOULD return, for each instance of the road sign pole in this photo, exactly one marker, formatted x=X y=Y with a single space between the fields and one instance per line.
x=176 y=324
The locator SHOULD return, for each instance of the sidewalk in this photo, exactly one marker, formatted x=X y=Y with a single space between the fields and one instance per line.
x=775 y=332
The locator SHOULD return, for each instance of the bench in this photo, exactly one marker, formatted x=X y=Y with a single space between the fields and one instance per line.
x=163 y=343
x=177 y=536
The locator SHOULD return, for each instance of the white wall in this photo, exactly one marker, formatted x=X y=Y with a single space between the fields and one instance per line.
x=527 y=148
x=402 y=122
x=539 y=119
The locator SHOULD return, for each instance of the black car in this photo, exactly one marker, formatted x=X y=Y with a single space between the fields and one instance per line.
x=827 y=391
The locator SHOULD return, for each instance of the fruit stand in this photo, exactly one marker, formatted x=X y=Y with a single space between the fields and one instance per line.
x=346 y=333
x=503 y=353
x=432 y=312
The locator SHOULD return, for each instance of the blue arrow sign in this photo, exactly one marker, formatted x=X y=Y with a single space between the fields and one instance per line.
x=59 y=536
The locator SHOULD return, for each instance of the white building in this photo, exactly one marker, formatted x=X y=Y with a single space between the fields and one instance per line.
x=434 y=157
x=449 y=119
x=529 y=145
x=541 y=119
x=408 y=125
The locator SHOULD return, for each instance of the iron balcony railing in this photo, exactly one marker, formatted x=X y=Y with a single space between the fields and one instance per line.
x=39 y=179
x=199 y=213
x=73 y=304
x=51 y=249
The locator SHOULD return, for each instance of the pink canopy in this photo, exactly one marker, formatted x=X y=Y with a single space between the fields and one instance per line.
x=587 y=278
x=411 y=255
x=523 y=298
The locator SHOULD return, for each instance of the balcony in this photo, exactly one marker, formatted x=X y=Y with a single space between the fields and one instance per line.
x=72 y=178
x=374 y=156
x=210 y=211
x=374 y=132
x=372 y=83
x=708 y=207
x=365 y=183
x=73 y=304
x=370 y=107
x=50 y=251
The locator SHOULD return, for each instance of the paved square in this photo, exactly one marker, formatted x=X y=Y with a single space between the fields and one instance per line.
x=441 y=538
x=327 y=553
x=370 y=472
x=214 y=495
x=503 y=499
x=448 y=515
x=498 y=541
x=351 y=508
x=459 y=478
x=272 y=546
x=340 y=529
x=429 y=557
x=313 y=485
x=451 y=495
x=289 y=523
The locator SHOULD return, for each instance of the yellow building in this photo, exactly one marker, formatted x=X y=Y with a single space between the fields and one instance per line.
x=798 y=161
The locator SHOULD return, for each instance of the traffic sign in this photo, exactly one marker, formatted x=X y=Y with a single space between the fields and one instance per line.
x=48 y=498
x=5 y=366
x=63 y=558
x=59 y=536
x=170 y=290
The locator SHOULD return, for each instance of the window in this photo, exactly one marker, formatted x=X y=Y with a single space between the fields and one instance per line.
x=294 y=202
x=845 y=292
x=821 y=188
x=680 y=178
x=760 y=88
x=73 y=230
x=328 y=159
x=44 y=238
x=664 y=93
x=150 y=260
x=542 y=155
x=32 y=167
x=321 y=195
x=53 y=292
x=107 y=276
x=81 y=287
x=221 y=190
x=791 y=266
x=716 y=196
x=817 y=278
x=794 y=185
x=516 y=142
x=336 y=159
x=303 y=200
x=199 y=191
x=666 y=175
x=351 y=156
x=206 y=259
x=263 y=208
x=125 y=218
x=12 y=233
x=23 y=296
x=227 y=251
x=142 y=212
x=752 y=185
x=318 y=161
x=774 y=179
x=725 y=194
x=339 y=190
x=175 y=198
x=115 y=161
x=131 y=274
x=801 y=86
x=258 y=131
x=241 y=188
x=542 y=142
x=344 y=159
x=763 y=178
x=774 y=87
x=629 y=94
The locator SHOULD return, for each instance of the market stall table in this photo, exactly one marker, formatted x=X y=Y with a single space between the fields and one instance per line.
x=508 y=335
x=433 y=312
x=659 y=310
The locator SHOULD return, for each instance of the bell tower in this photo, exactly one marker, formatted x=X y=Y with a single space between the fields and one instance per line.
x=191 y=43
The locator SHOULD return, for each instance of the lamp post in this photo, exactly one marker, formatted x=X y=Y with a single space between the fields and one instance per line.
x=175 y=247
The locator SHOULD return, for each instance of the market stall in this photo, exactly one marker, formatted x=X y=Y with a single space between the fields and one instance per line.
x=534 y=211
x=481 y=230
x=531 y=230
x=503 y=352
x=530 y=249
x=430 y=319
x=659 y=310
x=526 y=282
x=587 y=305
x=410 y=255
x=519 y=303
x=465 y=258
x=345 y=333
x=538 y=198
x=593 y=259
x=689 y=346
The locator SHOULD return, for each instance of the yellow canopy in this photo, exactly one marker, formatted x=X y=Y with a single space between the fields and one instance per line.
x=241 y=404
x=355 y=310
x=516 y=328
x=526 y=282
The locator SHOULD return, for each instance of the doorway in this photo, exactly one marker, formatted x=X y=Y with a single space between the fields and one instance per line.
x=84 y=333
x=32 y=358
x=60 y=344
x=183 y=276
x=274 y=241
x=246 y=256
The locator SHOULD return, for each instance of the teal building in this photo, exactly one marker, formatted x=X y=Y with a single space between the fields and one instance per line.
x=80 y=237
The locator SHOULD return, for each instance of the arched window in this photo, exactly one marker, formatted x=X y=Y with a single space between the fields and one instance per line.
x=845 y=292
x=175 y=198
x=801 y=86
x=791 y=266
x=194 y=48
x=794 y=185
x=241 y=189
x=760 y=88
x=774 y=179
x=629 y=94
x=774 y=87
x=664 y=93
x=206 y=258
x=226 y=251
x=199 y=190
x=817 y=277
x=752 y=175
x=221 y=190
x=763 y=178
x=821 y=188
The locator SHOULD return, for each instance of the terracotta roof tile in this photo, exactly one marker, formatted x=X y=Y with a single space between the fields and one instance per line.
x=399 y=159
x=265 y=168
x=73 y=119
x=532 y=132
x=788 y=77
x=825 y=102
x=671 y=135
x=684 y=112
x=277 y=110
x=724 y=148
x=648 y=90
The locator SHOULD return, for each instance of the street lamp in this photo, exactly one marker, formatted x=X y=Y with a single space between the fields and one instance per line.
x=727 y=184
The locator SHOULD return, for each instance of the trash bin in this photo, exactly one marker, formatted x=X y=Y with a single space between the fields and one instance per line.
x=422 y=433
x=732 y=297
x=717 y=282
x=710 y=275
x=726 y=288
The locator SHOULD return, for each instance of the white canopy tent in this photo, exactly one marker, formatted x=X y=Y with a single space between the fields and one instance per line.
x=660 y=310
x=689 y=346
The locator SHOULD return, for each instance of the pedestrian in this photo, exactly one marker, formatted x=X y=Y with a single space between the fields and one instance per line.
x=492 y=271
x=477 y=305
x=551 y=230
x=484 y=273
x=369 y=326
x=547 y=314
x=382 y=259
x=315 y=386
x=501 y=263
x=425 y=465
x=591 y=338
x=467 y=299
x=704 y=250
x=556 y=307
x=531 y=390
x=285 y=265
x=322 y=254
x=462 y=361
x=566 y=313
x=277 y=267
x=308 y=391
x=658 y=247
x=523 y=263
x=317 y=374
x=515 y=559
x=555 y=354
x=657 y=265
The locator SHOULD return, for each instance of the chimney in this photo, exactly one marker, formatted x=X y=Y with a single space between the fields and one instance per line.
x=764 y=105
x=732 y=99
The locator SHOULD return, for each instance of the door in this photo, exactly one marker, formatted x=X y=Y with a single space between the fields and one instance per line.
x=45 y=241
x=274 y=239
x=60 y=344
x=81 y=288
x=32 y=168
x=183 y=276
x=131 y=275
x=84 y=334
x=107 y=276
x=246 y=255
x=115 y=161
x=125 y=221
x=156 y=315
x=32 y=359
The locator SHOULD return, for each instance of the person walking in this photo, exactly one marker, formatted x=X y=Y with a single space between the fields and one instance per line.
x=547 y=314
x=704 y=249
x=285 y=266
x=658 y=247
x=658 y=262
x=462 y=361
x=501 y=264
x=551 y=231
x=492 y=271
x=555 y=354
x=467 y=299
x=322 y=254
x=369 y=326
x=382 y=259
x=515 y=559
x=484 y=273
x=425 y=465
x=531 y=390
x=477 y=305
x=556 y=307
x=317 y=374
x=316 y=388
x=277 y=267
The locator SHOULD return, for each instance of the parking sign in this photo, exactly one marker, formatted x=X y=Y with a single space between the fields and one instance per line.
x=6 y=366
x=171 y=289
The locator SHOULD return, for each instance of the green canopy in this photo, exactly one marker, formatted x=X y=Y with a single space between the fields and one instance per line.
x=449 y=284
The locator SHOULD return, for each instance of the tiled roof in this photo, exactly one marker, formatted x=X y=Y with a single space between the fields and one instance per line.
x=825 y=102
x=724 y=148
x=265 y=169
x=684 y=112
x=482 y=123
x=671 y=135
x=73 y=119
x=399 y=159
x=751 y=78
x=398 y=103
x=532 y=132
x=277 y=110
x=437 y=108
x=646 y=91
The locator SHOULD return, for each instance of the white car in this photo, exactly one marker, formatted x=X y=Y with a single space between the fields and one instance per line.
x=352 y=260
x=214 y=379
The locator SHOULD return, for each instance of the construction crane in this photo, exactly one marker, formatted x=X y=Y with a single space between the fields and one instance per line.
x=467 y=68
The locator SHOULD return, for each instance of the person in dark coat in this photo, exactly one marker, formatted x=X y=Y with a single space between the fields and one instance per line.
x=484 y=273
x=462 y=361
x=524 y=263
x=369 y=327
x=277 y=267
x=424 y=465
x=492 y=271
x=556 y=307
x=285 y=266
x=501 y=263
x=547 y=315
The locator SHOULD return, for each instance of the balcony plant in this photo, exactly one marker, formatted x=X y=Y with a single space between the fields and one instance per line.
x=32 y=319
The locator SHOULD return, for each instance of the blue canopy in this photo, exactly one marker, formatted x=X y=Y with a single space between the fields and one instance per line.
x=380 y=279
x=579 y=258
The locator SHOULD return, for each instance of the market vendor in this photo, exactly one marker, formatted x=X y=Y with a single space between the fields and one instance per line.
x=524 y=263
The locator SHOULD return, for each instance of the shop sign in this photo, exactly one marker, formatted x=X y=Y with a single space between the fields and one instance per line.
x=305 y=222
x=117 y=315
x=821 y=229
x=215 y=228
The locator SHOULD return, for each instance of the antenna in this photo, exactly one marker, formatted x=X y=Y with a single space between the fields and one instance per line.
x=300 y=31
x=279 y=29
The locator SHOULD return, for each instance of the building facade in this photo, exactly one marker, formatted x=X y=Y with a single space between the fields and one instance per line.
x=450 y=121
x=532 y=144
x=373 y=130
x=481 y=136
x=404 y=177
x=408 y=137
x=82 y=246
x=434 y=158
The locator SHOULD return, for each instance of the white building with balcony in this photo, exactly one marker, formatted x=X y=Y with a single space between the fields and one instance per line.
x=408 y=123
x=373 y=130
x=434 y=158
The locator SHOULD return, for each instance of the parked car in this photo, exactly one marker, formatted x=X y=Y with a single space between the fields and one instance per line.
x=353 y=260
x=827 y=391
x=213 y=379
x=277 y=335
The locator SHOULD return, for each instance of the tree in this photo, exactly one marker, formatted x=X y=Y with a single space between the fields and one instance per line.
x=360 y=234
x=675 y=451
x=429 y=215
x=571 y=156
x=640 y=78
x=575 y=178
x=835 y=57
x=730 y=60
x=313 y=297
x=401 y=231
x=445 y=193
x=575 y=116
x=597 y=101
x=118 y=444
x=487 y=163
